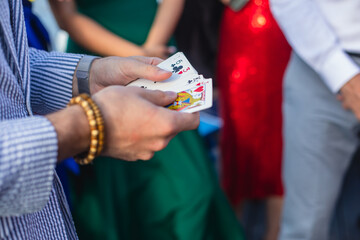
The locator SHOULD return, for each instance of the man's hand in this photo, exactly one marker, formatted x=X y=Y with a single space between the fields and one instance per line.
x=350 y=95
x=109 y=71
x=137 y=124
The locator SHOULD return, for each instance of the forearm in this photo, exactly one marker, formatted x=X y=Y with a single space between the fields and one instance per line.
x=167 y=17
x=29 y=149
x=97 y=39
x=91 y=35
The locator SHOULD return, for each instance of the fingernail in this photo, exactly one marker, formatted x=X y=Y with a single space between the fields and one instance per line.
x=171 y=94
x=162 y=71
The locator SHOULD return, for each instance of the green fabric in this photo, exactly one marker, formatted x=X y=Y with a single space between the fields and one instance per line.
x=175 y=195
x=129 y=19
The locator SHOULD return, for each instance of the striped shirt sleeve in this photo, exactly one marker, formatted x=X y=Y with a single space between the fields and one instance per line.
x=28 y=153
x=51 y=79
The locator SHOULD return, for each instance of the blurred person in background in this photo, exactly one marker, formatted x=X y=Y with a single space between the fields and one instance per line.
x=115 y=28
x=321 y=133
x=253 y=54
x=173 y=196
x=197 y=34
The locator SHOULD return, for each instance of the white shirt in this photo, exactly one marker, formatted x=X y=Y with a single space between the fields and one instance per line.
x=320 y=31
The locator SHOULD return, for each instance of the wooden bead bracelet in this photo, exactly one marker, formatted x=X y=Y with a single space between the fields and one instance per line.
x=96 y=123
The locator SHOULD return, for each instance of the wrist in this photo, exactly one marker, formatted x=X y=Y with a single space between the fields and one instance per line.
x=141 y=51
x=73 y=131
x=96 y=125
x=81 y=80
x=150 y=42
x=146 y=45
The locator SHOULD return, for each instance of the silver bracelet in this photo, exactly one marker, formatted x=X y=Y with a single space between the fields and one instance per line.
x=83 y=72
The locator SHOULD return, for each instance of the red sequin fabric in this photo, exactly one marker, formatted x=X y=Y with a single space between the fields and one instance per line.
x=253 y=55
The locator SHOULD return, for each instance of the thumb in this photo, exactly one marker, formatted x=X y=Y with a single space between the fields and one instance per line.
x=158 y=97
x=136 y=69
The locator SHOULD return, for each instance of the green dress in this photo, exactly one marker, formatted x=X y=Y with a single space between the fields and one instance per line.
x=175 y=195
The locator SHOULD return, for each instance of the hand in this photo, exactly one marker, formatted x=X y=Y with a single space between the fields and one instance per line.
x=160 y=51
x=109 y=71
x=137 y=124
x=225 y=2
x=350 y=95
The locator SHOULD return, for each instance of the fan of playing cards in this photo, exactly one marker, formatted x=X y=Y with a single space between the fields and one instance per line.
x=194 y=91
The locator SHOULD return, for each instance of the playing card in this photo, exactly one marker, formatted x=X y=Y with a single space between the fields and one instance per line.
x=194 y=98
x=168 y=85
x=177 y=64
x=182 y=83
x=194 y=91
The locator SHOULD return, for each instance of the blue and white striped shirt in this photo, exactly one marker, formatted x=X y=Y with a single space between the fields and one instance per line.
x=32 y=202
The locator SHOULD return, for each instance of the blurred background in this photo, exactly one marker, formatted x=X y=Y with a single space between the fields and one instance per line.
x=245 y=53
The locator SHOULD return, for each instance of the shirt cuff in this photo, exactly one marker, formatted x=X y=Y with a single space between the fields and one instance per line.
x=51 y=80
x=338 y=69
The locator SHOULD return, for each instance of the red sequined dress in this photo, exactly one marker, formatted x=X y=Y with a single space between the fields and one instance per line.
x=253 y=55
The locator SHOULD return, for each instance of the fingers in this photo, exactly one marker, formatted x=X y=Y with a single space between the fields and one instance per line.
x=180 y=121
x=339 y=97
x=186 y=121
x=159 y=98
x=175 y=122
x=145 y=156
x=346 y=106
x=151 y=126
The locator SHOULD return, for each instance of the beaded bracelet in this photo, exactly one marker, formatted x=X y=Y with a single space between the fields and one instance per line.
x=99 y=122
x=96 y=128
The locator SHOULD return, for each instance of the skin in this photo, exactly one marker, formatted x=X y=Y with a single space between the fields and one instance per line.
x=136 y=123
x=350 y=95
x=92 y=36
